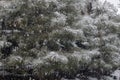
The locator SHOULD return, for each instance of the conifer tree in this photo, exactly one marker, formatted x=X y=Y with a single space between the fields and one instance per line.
x=64 y=37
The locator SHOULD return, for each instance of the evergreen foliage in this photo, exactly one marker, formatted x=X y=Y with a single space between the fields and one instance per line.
x=61 y=38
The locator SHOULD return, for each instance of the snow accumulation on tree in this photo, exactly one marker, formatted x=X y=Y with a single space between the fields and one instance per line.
x=61 y=39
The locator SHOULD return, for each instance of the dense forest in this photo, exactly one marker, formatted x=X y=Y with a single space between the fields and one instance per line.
x=60 y=39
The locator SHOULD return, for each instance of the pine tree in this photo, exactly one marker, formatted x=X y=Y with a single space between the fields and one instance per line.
x=64 y=37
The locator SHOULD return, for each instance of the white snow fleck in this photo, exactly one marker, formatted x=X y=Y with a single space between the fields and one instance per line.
x=17 y=58
x=78 y=33
x=54 y=56
x=74 y=31
x=51 y=0
x=85 y=54
x=90 y=78
x=1 y=63
x=60 y=18
x=4 y=43
x=86 y=20
x=5 y=4
x=116 y=74
x=37 y=61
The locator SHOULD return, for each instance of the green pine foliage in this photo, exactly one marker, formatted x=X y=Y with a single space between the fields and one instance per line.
x=64 y=37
